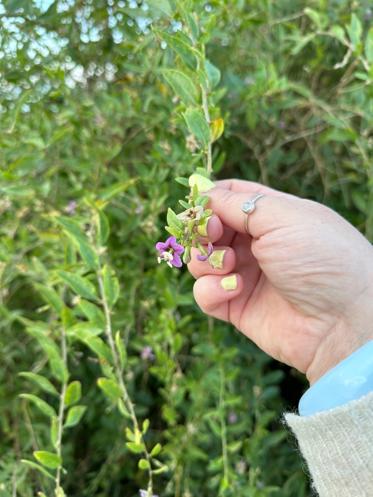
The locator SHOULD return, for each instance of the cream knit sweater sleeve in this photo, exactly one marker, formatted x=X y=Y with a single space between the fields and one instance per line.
x=338 y=448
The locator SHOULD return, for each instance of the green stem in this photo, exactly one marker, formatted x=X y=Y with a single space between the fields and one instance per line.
x=118 y=373
x=61 y=409
x=206 y=111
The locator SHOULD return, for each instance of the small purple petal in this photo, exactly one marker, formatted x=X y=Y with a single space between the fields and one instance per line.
x=170 y=241
x=176 y=261
x=161 y=246
x=179 y=249
x=210 y=249
x=202 y=258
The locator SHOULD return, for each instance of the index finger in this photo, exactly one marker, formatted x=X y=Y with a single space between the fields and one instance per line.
x=274 y=210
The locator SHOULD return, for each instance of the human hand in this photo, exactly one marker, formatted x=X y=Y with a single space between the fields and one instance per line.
x=301 y=284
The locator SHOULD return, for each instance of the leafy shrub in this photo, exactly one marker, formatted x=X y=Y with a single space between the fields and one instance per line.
x=111 y=379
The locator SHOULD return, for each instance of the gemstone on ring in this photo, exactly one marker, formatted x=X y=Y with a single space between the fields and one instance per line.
x=248 y=206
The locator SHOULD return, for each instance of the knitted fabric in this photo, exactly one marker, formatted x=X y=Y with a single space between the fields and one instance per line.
x=338 y=448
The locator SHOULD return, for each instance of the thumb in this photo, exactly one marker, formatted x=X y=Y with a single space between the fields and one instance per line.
x=272 y=211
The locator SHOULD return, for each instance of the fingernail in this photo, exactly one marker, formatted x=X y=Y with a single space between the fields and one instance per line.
x=202 y=228
x=229 y=282
x=216 y=259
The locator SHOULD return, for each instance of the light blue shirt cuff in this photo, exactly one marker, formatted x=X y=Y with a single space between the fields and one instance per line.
x=349 y=380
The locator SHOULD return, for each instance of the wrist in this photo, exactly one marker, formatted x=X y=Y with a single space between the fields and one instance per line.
x=352 y=329
x=332 y=351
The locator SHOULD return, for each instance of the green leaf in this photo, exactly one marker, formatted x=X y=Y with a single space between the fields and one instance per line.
x=135 y=448
x=93 y=313
x=369 y=46
x=315 y=17
x=48 y=459
x=73 y=393
x=54 y=431
x=111 y=285
x=116 y=188
x=182 y=85
x=51 y=297
x=74 y=416
x=81 y=286
x=40 y=404
x=36 y=466
x=95 y=343
x=160 y=7
x=202 y=183
x=156 y=450
x=198 y=125
x=355 y=30
x=338 y=32
x=213 y=74
x=110 y=388
x=85 y=330
x=80 y=240
x=144 y=464
x=181 y=44
x=176 y=232
x=145 y=426
x=103 y=228
x=182 y=181
x=173 y=221
x=58 y=367
x=159 y=471
x=41 y=381
x=121 y=349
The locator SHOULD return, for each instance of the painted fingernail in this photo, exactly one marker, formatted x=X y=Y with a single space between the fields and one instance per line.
x=202 y=228
x=229 y=282
x=216 y=259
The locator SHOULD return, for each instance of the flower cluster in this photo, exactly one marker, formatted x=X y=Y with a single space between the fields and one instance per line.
x=187 y=227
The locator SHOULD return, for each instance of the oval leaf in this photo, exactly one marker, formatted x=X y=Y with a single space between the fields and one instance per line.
x=182 y=85
x=73 y=393
x=48 y=459
x=81 y=286
x=40 y=404
x=197 y=125
x=42 y=382
x=74 y=415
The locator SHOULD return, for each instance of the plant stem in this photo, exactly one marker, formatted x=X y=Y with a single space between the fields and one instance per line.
x=119 y=376
x=61 y=408
x=206 y=111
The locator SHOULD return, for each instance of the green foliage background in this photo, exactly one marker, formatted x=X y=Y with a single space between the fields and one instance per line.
x=87 y=117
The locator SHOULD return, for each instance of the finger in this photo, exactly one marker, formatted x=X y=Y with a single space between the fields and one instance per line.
x=222 y=261
x=271 y=211
x=243 y=186
x=213 y=293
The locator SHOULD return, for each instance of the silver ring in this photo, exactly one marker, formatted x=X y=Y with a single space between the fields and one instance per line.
x=248 y=207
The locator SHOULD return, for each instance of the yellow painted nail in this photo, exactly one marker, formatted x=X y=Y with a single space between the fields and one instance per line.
x=229 y=282
x=216 y=259
x=202 y=228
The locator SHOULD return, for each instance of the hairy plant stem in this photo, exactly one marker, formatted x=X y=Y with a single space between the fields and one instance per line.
x=61 y=409
x=206 y=111
x=119 y=375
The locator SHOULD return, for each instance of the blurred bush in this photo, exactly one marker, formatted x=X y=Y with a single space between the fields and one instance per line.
x=91 y=140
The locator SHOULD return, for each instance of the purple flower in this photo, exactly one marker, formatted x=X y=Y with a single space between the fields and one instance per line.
x=170 y=252
x=210 y=250
x=70 y=208
x=147 y=354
